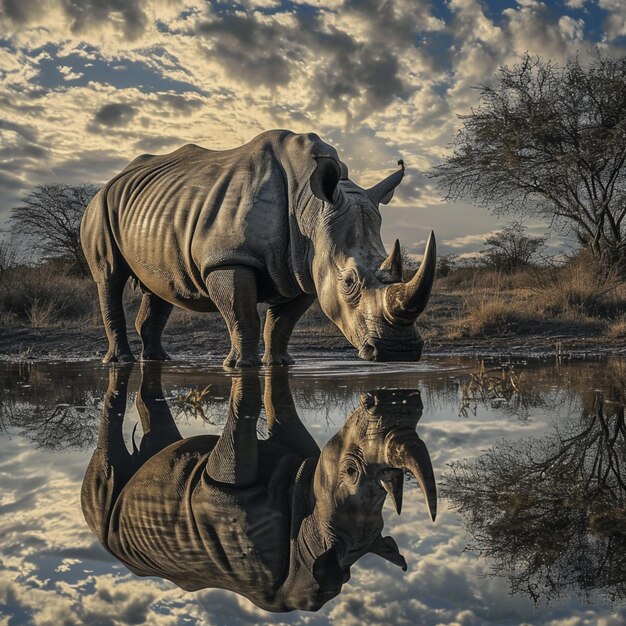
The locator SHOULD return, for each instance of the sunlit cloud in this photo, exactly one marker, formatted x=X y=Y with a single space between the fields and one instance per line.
x=379 y=80
x=468 y=240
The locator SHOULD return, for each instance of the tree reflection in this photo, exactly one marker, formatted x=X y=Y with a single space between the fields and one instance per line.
x=550 y=513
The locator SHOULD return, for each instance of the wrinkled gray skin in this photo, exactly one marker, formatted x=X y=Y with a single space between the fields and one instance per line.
x=273 y=520
x=276 y=220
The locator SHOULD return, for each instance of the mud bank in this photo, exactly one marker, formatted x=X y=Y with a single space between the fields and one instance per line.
x=70 y=343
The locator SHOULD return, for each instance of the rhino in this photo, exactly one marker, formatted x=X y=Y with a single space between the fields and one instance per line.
x=276 y=220
x=276 y=521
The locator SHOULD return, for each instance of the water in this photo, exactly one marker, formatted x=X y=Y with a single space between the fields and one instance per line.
x=529 y=465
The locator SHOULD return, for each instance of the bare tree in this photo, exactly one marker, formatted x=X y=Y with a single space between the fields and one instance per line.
x=446 y=263
x=511 y=249
x=8 y=256
x=549 y=141
x=49 y=219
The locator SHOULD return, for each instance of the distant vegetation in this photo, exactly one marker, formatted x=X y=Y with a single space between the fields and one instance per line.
x=577 y=296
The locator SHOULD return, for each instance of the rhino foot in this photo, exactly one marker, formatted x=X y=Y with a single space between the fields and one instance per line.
x=124 y=357
x=278 y=359
x=251 y=361
x=156 y=355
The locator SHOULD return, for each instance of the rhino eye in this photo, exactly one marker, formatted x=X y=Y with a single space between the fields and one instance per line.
x=351 y=472
x=350 y=286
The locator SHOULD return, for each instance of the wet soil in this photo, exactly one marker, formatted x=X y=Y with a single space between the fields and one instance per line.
x=212 y=343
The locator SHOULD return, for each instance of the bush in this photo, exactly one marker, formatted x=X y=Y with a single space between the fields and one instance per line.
x=511 y=249
x=616 y=328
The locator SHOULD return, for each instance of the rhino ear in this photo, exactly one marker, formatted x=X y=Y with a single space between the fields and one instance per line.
x=382 y=193
x=325 y=178
x=387 y=548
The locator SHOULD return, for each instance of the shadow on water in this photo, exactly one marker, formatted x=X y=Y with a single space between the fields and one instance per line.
x=278 y=521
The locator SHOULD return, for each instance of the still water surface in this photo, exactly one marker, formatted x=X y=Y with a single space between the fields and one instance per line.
x=529 y=464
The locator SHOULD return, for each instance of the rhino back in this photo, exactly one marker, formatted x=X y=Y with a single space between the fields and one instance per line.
x=172 y=521
x=176 y=217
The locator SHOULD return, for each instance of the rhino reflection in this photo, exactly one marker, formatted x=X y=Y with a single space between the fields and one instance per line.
x=551 y=513
x=276 y=521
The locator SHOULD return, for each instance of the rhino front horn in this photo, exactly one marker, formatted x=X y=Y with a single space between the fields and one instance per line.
x=407 y=451
x=383 y=191
x=405 y=301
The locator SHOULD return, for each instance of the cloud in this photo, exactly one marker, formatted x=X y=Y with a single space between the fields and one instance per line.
x=69 y=73
x=615 y=22
x=115 y=114
x=385 y=75
x=532 y=30
x=250 y=49
x=468 y=240
x=128 y=17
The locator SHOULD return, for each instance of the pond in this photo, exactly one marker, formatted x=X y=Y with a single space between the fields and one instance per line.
x=529 y=461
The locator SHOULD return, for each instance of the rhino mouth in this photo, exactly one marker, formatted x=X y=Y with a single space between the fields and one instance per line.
x=379 y=350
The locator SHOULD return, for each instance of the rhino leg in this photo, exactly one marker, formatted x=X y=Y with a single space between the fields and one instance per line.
x=111 y=466
x=283 y=423
x=151 y=319
x=233 y=290
x=110 y=291
x=234 y=459
x=110 y=272
x=279 y=324
x=157 y=423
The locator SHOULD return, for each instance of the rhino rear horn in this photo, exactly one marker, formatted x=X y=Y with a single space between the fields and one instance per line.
x=383 y=191
x=393 y=262
x=407 y=451
x=325 y=178
x=405 y=301
x=392 y=482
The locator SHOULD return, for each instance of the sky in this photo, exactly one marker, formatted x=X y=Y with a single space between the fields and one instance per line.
x=86 y=86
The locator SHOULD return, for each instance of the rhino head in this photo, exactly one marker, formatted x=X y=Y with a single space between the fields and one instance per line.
x=359 y=466
x=359 y=286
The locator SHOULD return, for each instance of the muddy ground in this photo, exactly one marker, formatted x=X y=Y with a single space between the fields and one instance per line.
x=19 y=343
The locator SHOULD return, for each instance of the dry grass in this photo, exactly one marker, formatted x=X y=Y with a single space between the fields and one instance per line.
x=579 y=296
x=616 y=328
x=493 y=312
x=46 y=296
x=582 y=288
x=194 y=403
